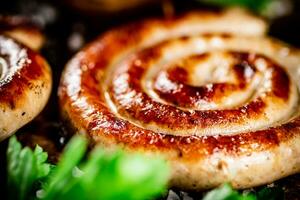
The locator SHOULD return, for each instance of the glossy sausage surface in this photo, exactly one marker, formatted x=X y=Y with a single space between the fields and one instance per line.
x=208 y=91
x=25 y=85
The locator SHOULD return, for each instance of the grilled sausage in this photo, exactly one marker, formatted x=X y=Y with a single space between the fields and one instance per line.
x=25 y=77
x=207 y=91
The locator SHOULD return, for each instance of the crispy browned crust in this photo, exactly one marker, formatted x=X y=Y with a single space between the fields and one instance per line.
x=25 y=85
x=102 y=94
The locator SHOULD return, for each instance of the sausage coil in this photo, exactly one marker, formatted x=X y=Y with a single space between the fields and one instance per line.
x=208 y=91
x=25 y=77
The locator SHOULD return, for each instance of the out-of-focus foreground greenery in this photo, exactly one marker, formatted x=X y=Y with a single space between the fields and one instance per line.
x=102 y=175
x=267 y=8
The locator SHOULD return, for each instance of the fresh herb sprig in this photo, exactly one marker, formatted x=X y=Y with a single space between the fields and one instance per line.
x=25 y=168
x=103 y=175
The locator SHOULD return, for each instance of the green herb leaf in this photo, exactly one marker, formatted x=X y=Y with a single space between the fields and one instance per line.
x=225 y=192
x=62 y=177
x=25 y=168
x=255 y=5
x=105 y=175
x=102 y=176
x=270 y=193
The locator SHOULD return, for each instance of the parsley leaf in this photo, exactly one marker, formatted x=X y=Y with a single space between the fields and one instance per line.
x=25 y=168
x=104 y=175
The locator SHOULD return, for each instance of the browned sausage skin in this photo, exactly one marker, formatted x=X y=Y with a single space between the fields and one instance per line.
x=219 y=102
x=25 y=77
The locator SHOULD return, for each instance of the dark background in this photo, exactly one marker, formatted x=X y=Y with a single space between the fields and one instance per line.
x=63 y=27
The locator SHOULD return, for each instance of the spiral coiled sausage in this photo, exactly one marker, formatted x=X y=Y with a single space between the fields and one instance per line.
x=207 y=91
x=25 y=77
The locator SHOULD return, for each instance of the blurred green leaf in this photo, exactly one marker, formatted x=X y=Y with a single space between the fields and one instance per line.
x=25 y=168
x=102 y=176
x=267 y=8
x=225 y=192
x=255 y=5
x=105 y=175
x=270 y=193
x=62 y=176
